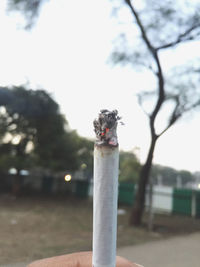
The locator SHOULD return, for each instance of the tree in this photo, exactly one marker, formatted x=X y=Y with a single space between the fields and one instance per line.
x=129 y=167
x=85 y=148
x=30 y=121
x=169 y=175
x=161 y=25
x=33 y=132
x=16 y=133
x=186 y=177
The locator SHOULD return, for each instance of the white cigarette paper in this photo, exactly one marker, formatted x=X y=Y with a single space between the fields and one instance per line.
x=106 y=162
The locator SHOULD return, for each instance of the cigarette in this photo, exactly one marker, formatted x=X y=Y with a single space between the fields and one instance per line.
x=106 y=162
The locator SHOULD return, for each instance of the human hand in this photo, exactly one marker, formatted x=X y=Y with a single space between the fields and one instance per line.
x=80 y=259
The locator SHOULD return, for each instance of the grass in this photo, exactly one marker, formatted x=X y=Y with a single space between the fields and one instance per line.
x=38 y=227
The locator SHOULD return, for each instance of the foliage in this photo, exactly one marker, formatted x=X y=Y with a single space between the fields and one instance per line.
x=30 y=9
x=129 y=167
x=169 y=175
x=84 y=148
x=186 y=176
x=160 y=26
x=32 y=131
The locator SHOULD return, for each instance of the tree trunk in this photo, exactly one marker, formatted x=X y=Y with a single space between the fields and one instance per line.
x=150 y=211
x=138 y=207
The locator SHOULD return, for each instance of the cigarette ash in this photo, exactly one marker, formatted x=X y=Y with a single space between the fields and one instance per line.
x=105 y=128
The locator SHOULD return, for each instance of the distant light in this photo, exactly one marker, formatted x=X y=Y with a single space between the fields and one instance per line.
x=16 y=140
x=68 y=177
x=199 y=186
x=12 y=171
x=83 y=166
x=24 y=172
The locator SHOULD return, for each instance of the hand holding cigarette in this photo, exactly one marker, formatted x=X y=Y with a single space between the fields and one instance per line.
x=81 y=259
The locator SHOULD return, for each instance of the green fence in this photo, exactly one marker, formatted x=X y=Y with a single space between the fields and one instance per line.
x=82 y=188
x=182 y=201
x=126 y=193
x=197 y=204
x=47 y=184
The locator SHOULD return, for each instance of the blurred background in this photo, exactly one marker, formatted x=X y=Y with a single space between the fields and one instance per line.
x=61 y=63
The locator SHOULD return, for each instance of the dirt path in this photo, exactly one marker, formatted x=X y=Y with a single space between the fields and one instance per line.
x=174 y=252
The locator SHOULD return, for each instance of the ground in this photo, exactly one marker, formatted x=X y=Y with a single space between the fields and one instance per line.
x=38 y=227
x=178 y=251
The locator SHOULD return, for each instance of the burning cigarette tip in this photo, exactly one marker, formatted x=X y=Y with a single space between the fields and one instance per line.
x=105 y=127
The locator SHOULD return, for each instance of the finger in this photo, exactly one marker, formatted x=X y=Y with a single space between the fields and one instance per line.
x=80 y=259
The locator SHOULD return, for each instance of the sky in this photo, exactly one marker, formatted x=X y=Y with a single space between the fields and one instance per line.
x=66 y=53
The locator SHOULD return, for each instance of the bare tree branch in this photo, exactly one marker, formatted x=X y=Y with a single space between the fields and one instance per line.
x=181 y=38
x=193 y=106
x=159 y=73
x=140 y=103
x=143 y=32
x=175 y=116
x=178 y=112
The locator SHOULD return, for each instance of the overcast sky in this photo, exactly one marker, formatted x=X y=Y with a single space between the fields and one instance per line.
x=66 y=53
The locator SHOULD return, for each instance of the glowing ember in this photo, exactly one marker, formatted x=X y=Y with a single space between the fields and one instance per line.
x=105 y=127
